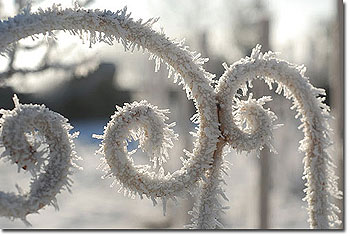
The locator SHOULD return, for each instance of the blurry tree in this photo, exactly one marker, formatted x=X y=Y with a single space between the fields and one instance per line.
x=50 y=59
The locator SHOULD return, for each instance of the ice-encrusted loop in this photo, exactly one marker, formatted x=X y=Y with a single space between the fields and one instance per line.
x=143 y=122
x=146 y=123
x=250 y=125
x=38 y=141
x=321 y=185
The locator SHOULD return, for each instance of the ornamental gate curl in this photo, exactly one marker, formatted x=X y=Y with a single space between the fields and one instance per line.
x=219 y=115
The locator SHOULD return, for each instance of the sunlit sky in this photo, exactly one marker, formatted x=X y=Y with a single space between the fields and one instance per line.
x=291 y=20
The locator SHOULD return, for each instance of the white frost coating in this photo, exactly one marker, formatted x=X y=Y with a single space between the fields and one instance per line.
x=321 y=185
x=207 y=210
x=146 y=123
x=16 y=128
x=214 y=107
x=255 y=121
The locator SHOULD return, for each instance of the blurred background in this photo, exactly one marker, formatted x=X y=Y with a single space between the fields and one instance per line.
x=84 y=84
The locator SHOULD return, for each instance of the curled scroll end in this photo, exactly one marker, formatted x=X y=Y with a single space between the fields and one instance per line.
x=256 y=122
x=38 y=141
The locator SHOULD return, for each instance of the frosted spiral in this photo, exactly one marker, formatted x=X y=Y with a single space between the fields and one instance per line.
x=145 y=123
x=38 y=141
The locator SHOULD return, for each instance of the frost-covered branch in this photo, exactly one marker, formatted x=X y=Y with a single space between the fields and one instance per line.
x=45 y=63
